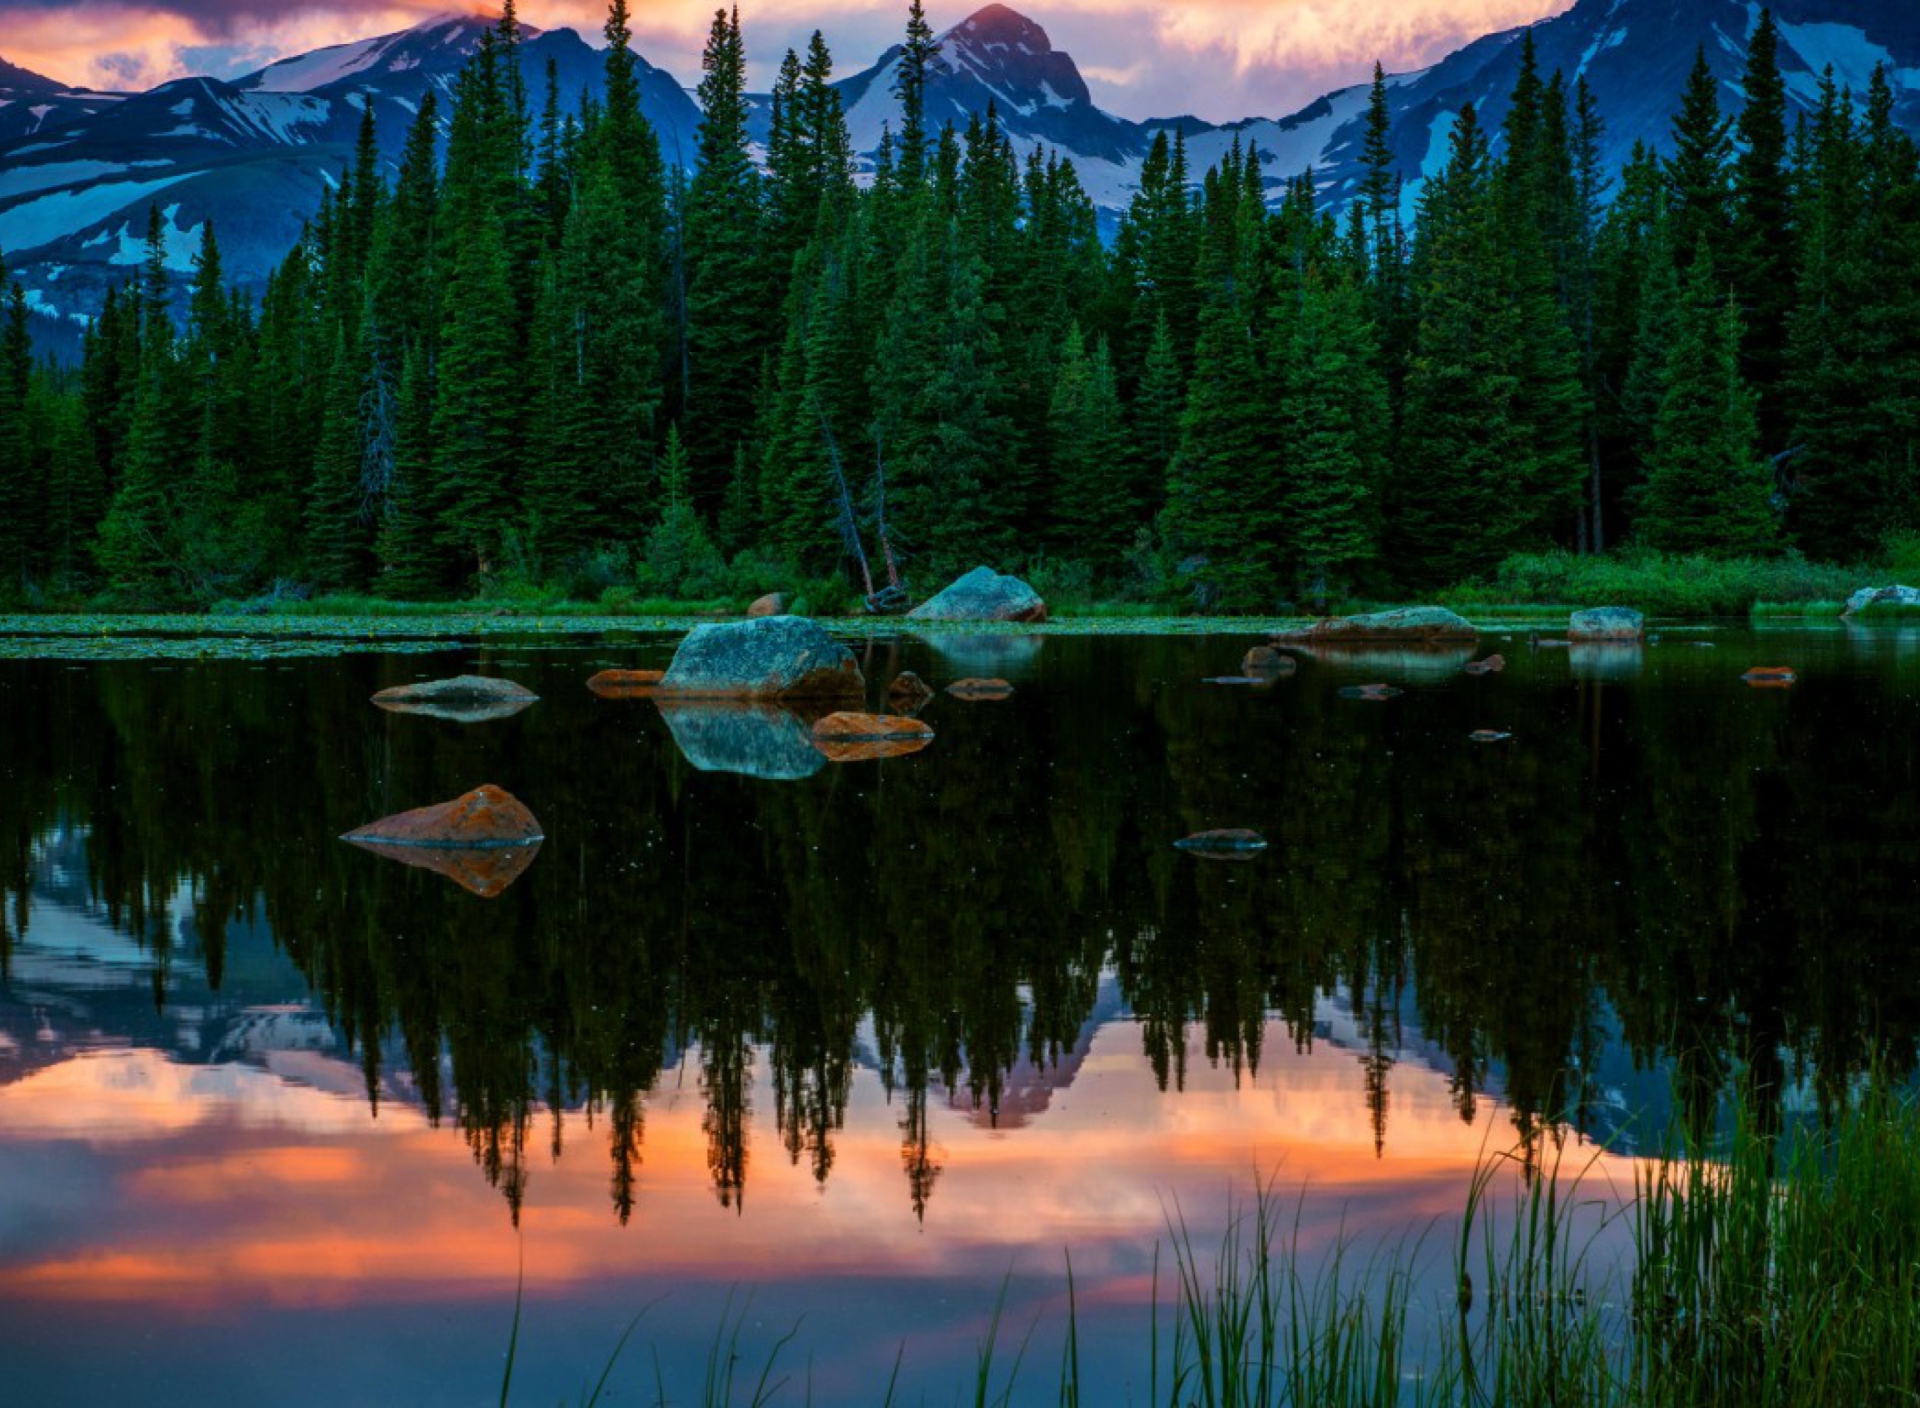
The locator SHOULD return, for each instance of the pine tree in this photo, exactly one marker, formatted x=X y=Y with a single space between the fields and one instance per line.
x=1332 y=423
x=727 y=279
x=1760 y=240
x=20 y=495
x=1094 y=505
x=1223 y=513
x=1697 y=172
x=1707 y=489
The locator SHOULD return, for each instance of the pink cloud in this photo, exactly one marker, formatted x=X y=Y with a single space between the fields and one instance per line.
x=1229 y=58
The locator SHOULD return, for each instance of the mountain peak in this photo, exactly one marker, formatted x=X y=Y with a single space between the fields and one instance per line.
x=22 y=80
x=997 y=27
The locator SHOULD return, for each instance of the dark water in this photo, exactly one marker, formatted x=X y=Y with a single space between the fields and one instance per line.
x=855 y=1046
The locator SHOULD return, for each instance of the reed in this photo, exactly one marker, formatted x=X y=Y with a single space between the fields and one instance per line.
x=1762 y=1270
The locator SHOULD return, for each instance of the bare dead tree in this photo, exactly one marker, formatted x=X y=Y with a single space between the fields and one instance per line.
x=849 y=522
x=379 y=431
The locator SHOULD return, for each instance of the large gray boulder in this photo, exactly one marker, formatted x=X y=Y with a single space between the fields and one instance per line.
x=983 y=595
x=1606 y=623
x=774 y=657
x=1882 y=596
x=1403 y=624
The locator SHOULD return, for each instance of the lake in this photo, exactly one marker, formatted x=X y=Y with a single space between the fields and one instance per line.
x=766 y=1046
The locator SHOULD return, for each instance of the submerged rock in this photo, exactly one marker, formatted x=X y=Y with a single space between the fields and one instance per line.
x=752 y=740
x=1492 y=665
x=980 y=689
x=775 y=657
x=1606 y=623
x=1489 y=735
x=625 y=684
x=1229 y=843
x=983 y=595
x=463 y=699
x=772 y=604
x=1370 y=691
x=1404 y=624
x=849 y=738
x=1882 y=596
x=1265 y=661
x=1770 y=676
x=908 y=691
x=482 y=841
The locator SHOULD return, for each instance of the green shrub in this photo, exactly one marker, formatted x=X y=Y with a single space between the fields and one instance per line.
x=1658 y=583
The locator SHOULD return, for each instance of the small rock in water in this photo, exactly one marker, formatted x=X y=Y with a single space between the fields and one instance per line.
x=1606 y=623
x=980 y=689
x=1231 y=843
x=1233 y=679
x=1770 y=676
x=482 y=841
x=1406 y=623
x=1700 y=645
x=1489 y=735
x=462 y=699
x=908 y=691
x=1370 y=691
x=625 y=684
x=1492 y=665
x=1264 y=660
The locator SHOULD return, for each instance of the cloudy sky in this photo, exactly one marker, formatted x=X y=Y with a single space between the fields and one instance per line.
x=1142 y=58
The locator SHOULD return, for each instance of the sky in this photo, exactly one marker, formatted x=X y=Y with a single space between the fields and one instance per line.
x=1141 y=58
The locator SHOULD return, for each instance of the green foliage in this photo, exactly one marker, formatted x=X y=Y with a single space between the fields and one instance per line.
x=464 y=380
x=1655 y=582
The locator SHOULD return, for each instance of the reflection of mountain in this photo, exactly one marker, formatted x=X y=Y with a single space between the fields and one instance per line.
x=1643 y=875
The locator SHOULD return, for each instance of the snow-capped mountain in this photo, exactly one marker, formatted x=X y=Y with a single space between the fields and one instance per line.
x=79 y=170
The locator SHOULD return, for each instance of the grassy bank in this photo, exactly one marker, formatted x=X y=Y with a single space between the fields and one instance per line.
x=1764 y=1273
x=1662 y=585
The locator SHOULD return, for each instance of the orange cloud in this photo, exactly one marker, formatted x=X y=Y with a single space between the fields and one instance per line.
x=1227 y=58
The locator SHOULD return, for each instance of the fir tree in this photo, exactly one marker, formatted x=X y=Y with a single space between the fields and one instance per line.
x=1707 y=489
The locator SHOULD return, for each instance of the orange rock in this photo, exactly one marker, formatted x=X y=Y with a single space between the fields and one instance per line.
x=772 y=604
x=868 y=728
x=1492 y=665
x=1770 y=676
x=482 y=841
x=485 y=817
x=980 y=689
x=625 y=684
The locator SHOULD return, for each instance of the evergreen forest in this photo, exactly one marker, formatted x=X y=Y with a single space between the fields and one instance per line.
x=533 y=356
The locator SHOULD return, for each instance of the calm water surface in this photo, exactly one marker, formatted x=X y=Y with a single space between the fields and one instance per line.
x=851 y=1047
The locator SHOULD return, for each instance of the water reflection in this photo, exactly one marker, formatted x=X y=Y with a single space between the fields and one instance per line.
x=906 y=990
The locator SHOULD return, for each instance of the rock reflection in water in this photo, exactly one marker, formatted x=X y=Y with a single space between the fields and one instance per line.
x=1011 y=657
x=1394 y=660
x=753 y=740
x=484 y=872
x=1605 y=659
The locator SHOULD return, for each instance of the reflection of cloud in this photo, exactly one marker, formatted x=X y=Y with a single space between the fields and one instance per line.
x=1228 y=58
x=232 y=1189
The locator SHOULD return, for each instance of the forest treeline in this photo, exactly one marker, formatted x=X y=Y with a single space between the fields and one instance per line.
x=537 y=356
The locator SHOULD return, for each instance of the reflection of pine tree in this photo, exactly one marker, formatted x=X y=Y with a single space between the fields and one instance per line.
x=726 y=1068
x=919 y=1156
